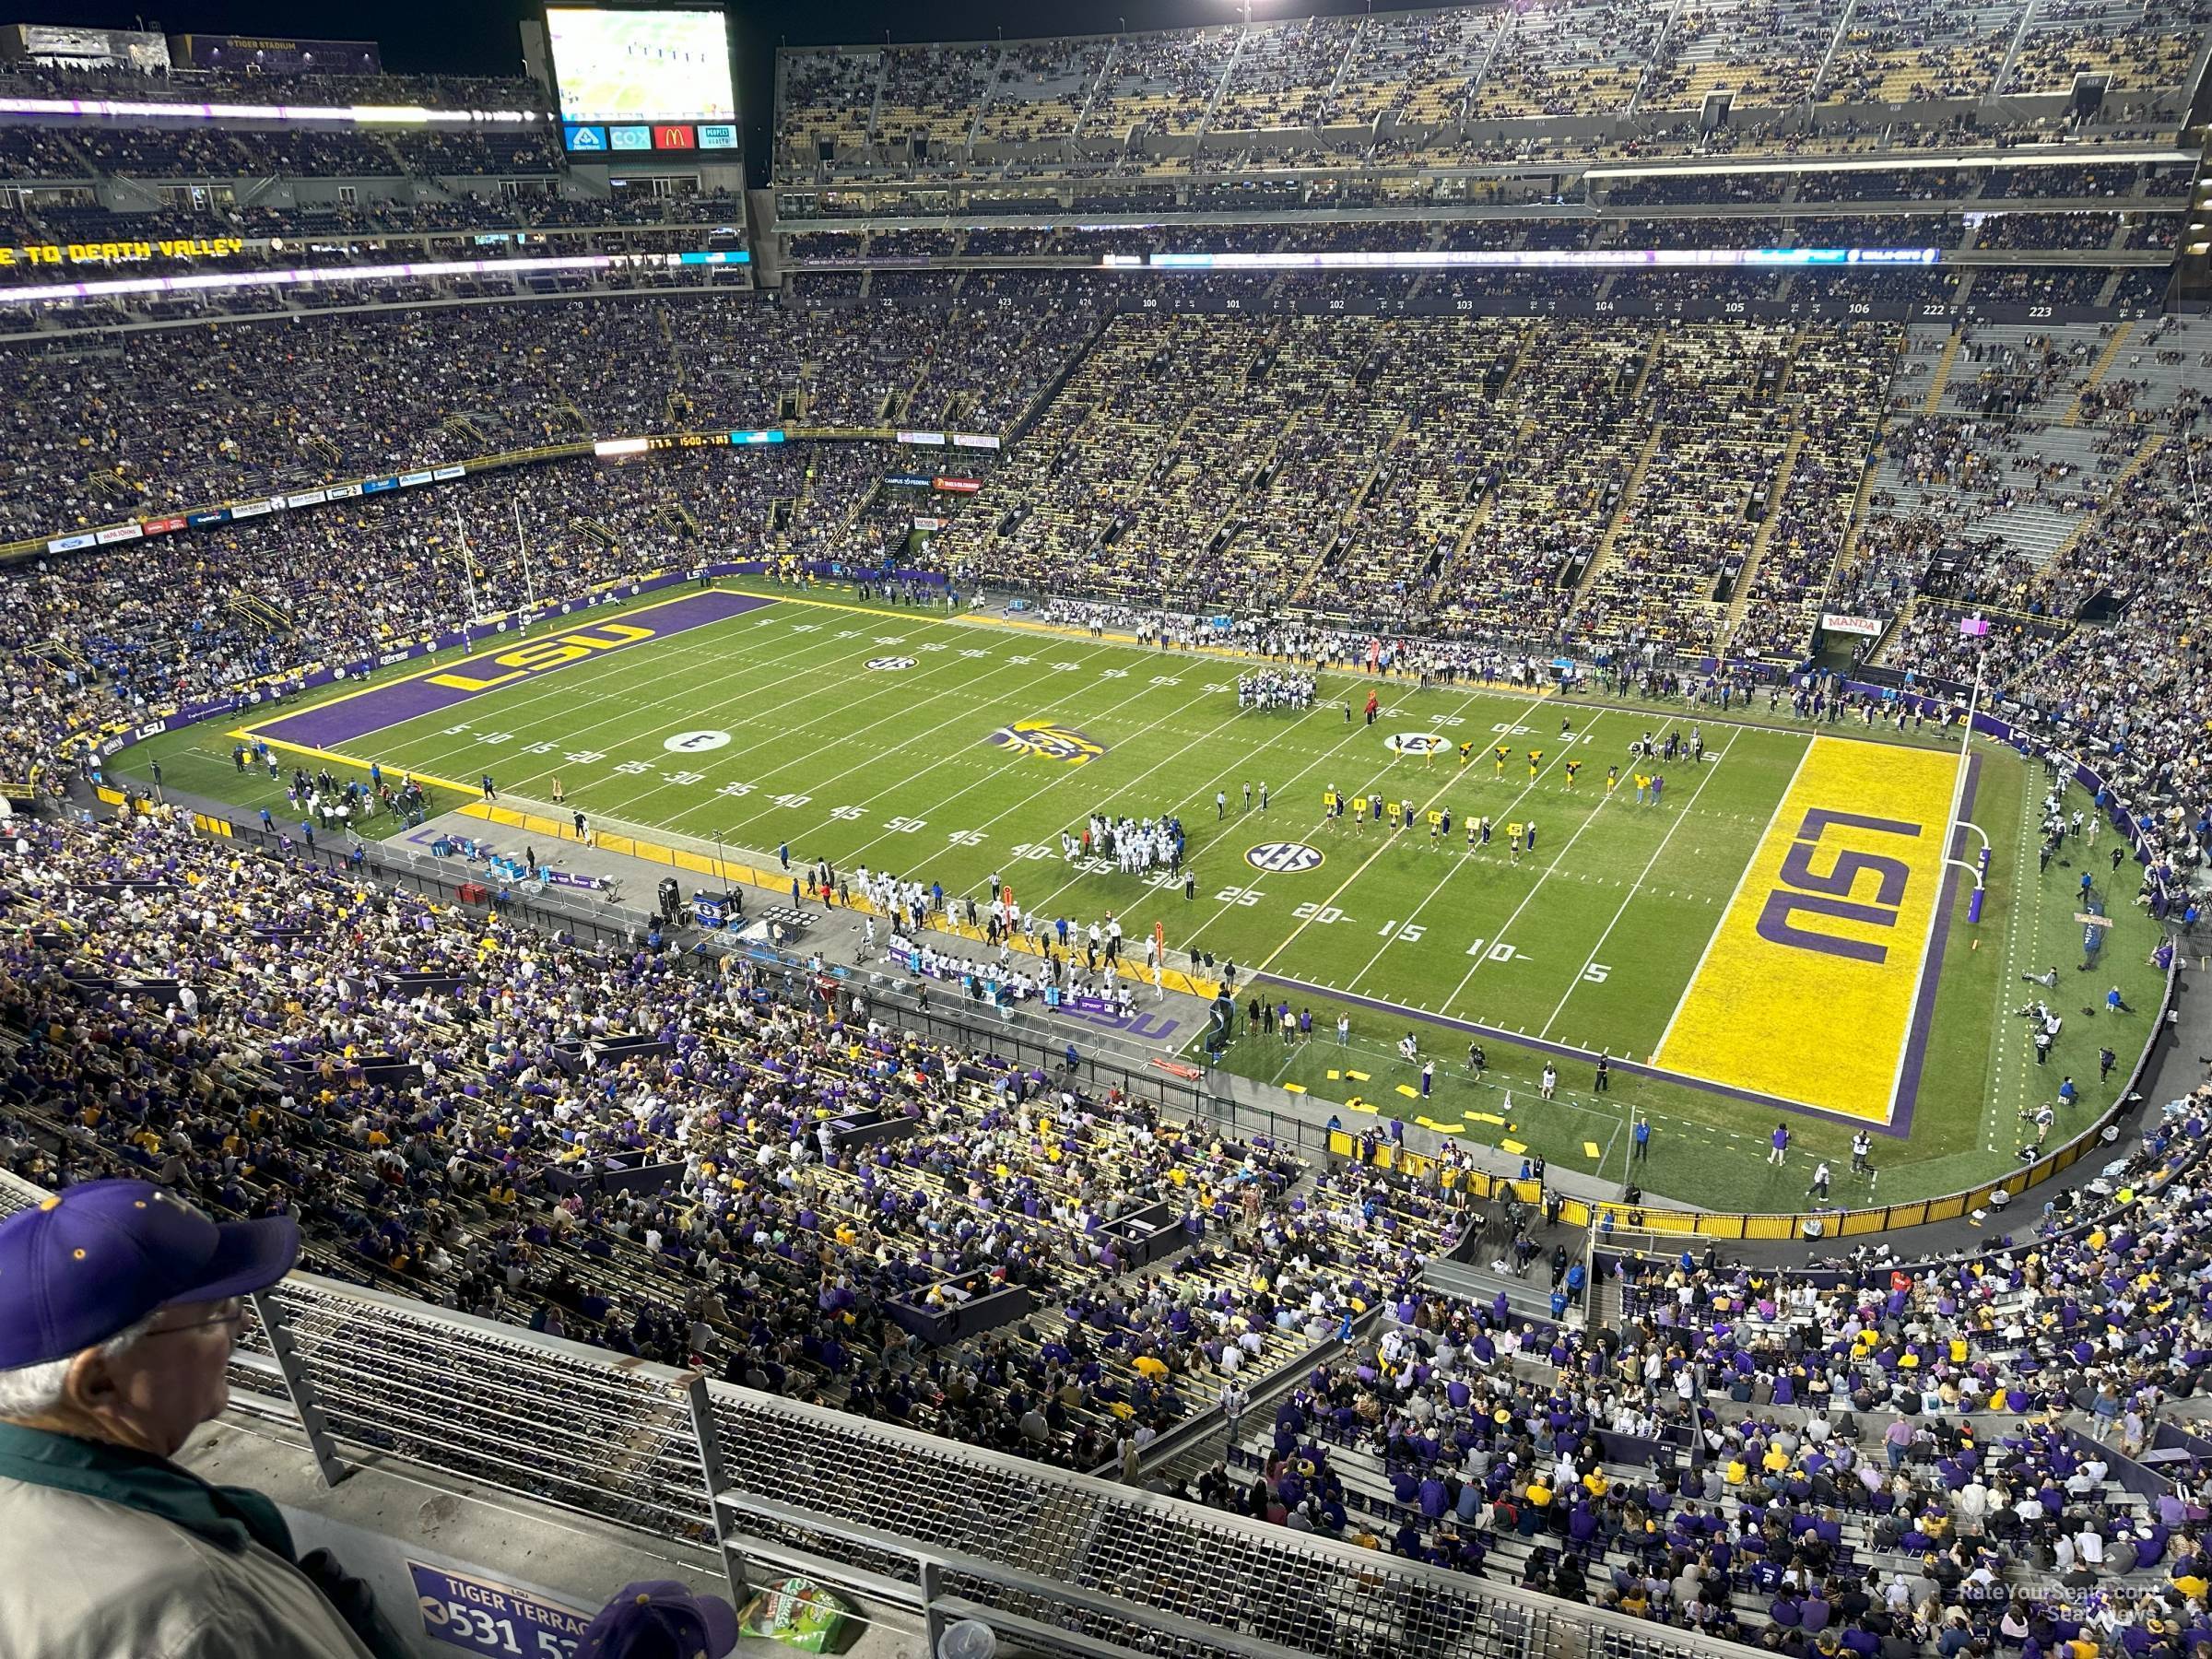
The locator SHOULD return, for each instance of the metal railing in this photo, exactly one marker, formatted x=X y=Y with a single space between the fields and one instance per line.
x=1030 y=1040
x=1065 y=1563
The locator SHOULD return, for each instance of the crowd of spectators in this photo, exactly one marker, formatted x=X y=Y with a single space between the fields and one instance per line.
x=1886 y=1457
x=268 y=1035
x=1424 y=471
x=423 y=1090
x=251 y=409
x=256 y=83
x=1467 y=87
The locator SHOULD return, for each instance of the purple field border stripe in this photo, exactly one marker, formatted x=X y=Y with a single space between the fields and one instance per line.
x=1560 y=1051
x=1923 y=1010
x=345 y=719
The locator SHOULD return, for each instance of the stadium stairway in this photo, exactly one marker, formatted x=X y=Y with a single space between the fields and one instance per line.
x=1301 y=590
x=1527 y=1299
x=1739 y=596
x=2136 y=464
x=2098 y=371
x=1941 y=377
x=1604 y=555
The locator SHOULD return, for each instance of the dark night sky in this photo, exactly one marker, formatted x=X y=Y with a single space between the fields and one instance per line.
x=482 y=36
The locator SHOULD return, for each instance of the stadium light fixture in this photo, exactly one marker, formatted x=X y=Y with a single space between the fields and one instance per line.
x=111 y=109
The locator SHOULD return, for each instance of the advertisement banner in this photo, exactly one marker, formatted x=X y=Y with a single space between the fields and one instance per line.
x=1839 y=622
x=410 y=480
x=162 y=527
x=443 y=473
x=308 y=498
x=246 y=510
x=957 y=486
x=370 y=486
x=982 y=440
x=207 y=516
x=935 y=438
x=70 y=544
x=119 y=533
x=342 y=492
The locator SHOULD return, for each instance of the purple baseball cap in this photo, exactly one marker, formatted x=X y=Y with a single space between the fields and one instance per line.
x=660 y=1618
x=94 y=1260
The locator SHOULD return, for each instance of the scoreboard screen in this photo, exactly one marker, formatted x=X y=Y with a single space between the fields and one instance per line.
x=642 y=80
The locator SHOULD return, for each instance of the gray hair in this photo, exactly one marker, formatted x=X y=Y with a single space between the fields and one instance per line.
x=34 y=1391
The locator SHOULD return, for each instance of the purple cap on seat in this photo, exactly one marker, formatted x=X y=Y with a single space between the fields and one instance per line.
x=660 y=1618
x=92 y=1261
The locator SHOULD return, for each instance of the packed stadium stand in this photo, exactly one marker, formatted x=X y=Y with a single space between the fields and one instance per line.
x=1347 y=326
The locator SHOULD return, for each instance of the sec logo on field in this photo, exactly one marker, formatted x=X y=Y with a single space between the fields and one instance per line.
x=693 y=743
x=1416 y=743
x=1284 y=858
x=890 y=664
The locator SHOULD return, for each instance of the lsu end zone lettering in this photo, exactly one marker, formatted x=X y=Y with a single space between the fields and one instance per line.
x=1818 y=955
x=547 y=654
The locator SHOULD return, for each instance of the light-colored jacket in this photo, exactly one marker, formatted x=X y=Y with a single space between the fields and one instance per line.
x=85 y=1578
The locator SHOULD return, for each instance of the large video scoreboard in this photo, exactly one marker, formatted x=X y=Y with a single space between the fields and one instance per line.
x=641 y=82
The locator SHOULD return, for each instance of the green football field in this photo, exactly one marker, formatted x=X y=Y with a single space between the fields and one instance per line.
x=953 y=749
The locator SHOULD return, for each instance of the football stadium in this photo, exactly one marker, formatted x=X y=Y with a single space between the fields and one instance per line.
x=964 y=832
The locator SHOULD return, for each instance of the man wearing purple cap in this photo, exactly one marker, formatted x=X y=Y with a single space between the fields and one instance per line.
x=119 y=1306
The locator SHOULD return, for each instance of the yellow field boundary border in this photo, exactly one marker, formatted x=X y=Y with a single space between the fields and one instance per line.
x=1611 y=1220
x=724 y=871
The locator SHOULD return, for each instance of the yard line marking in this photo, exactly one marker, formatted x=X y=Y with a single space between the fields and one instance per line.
x=440 y=752
x=548 y=687
x=1743 y=876
x=1352 y=732
x=1069 y=772
x=898 y=685
x=776 y=654
x=1634 y=887
x=875 y=757
x=929 y=767
x=1374 y=779
x=1588 y=818
x=1526 y=705
x=1217 y=779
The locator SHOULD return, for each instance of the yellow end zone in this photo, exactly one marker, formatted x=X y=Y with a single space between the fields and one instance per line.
x=1806 y=989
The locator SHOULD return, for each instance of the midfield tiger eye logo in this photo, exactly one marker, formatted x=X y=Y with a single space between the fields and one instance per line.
x=1049 y=741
